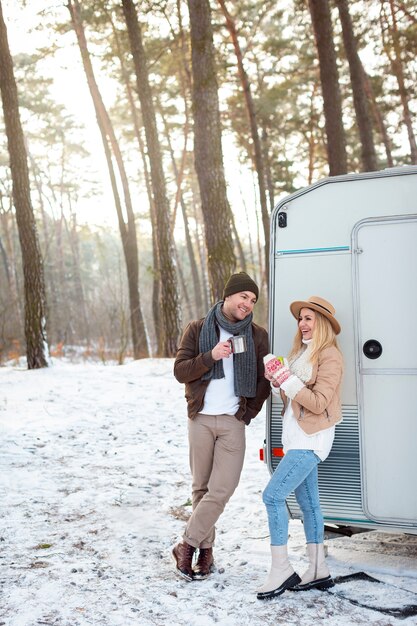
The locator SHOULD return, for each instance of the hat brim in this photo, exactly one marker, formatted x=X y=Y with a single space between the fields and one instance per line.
x=295 y=308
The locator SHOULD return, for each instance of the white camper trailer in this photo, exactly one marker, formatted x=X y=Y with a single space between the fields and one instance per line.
x=353 y=240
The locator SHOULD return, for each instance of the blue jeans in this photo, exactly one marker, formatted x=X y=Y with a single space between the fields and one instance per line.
x=297 y=472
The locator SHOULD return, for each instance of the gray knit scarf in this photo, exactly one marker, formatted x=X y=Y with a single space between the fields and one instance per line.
x=244 y=363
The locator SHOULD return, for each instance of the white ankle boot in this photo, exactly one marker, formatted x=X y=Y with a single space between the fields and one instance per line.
x=317 y=575
x=281 y=575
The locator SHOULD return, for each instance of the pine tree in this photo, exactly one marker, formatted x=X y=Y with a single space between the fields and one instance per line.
x=208 y=149
x=34 y=285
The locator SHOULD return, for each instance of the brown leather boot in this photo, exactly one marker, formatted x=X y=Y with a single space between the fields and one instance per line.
x=204 y=565
x=183 y=554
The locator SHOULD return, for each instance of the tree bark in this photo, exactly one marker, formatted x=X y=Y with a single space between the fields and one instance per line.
x=197 y=214
x=329 y=78
x=311 y=137
x=34 y=284
x=127 y=230
x=180 y=199
x=169 y=289
x=7 y=222
x=73 y=238
x=208 y=149
x=360 y=99
x=268 y=172
x=398 y=71
x=137 y=127
x=53 y=312
x=379 y=121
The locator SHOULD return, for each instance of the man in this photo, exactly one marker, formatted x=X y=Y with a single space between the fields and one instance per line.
x=224 y=391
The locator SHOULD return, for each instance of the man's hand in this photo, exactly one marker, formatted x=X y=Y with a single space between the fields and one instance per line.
x=221 y=351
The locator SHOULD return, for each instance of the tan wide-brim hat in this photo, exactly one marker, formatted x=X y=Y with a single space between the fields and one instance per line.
x=317 y=304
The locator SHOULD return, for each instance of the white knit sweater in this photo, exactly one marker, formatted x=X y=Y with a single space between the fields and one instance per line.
x=293 y=436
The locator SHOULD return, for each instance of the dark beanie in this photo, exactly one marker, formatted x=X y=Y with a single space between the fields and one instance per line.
x=240 y=282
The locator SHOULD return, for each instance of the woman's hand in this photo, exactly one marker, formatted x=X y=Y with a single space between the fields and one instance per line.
x=275 y=371
x=268 y=376
x=272 y=366
x=281 y=375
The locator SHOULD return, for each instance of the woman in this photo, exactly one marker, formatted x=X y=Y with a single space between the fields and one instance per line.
x=310 y=389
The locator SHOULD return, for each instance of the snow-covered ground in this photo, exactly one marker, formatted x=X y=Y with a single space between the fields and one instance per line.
x=94 y=488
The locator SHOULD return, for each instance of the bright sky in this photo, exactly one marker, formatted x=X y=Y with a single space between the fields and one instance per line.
x=70 y=88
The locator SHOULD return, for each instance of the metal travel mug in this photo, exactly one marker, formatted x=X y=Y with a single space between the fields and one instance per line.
x=237 y=344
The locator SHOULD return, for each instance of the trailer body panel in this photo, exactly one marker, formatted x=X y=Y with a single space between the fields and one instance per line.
x=353 y=240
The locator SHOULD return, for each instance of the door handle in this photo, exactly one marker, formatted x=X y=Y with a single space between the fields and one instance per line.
x=372 y=349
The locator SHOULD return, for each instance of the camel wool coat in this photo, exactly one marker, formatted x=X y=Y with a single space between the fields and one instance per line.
x=317 y=405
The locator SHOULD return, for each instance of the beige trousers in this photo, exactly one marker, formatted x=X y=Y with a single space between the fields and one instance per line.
x=217 y=450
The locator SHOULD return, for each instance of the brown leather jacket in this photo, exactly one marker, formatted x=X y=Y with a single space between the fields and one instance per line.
x=317 y=405
x=190 y=365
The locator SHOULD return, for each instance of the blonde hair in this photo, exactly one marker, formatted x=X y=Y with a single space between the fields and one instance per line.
x=323 y=337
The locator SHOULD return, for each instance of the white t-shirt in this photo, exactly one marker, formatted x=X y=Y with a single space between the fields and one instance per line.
x=220 y=395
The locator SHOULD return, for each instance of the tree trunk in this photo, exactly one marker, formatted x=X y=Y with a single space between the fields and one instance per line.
x=311 y=136
x=180 y=199
x=238 y=243
x=64 y=328
x=398 y=71
x=378 y=120
x=5 y=263
x=268 y=171
x=257 y=156
x=360 y=99
x=73 y=238
x=7 y=222
x=137 y=127
x=187 y=306
x=53 y=312
x=127 y=231
x=34 y=285
x=169 y=289
x=249 y=229
x=329 y=78
x=208 y=150
x=197 y=214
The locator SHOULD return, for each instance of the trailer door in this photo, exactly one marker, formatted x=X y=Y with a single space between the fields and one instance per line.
x=385 y=279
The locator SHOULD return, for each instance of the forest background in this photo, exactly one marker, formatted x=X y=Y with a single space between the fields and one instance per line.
x=144 y=145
